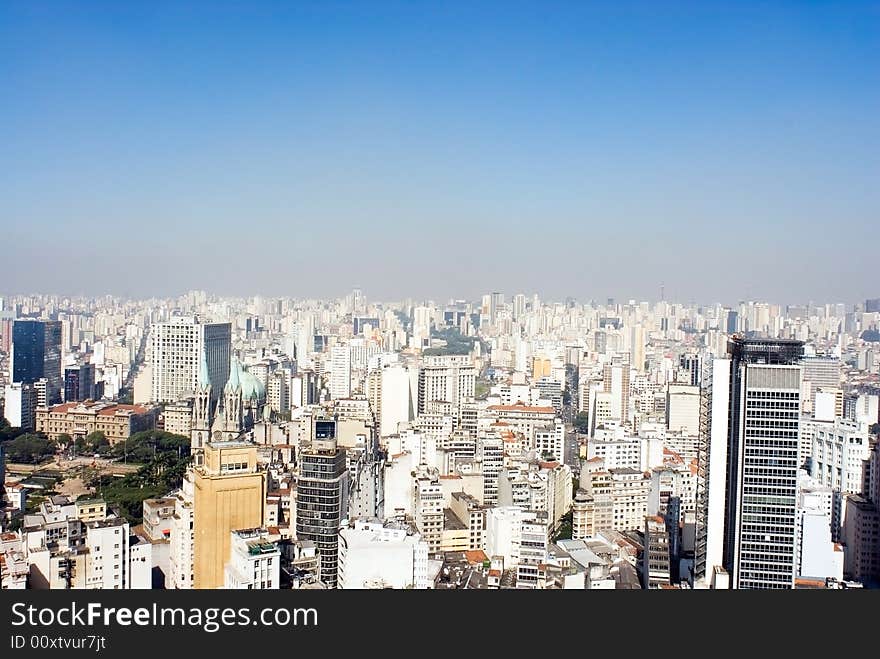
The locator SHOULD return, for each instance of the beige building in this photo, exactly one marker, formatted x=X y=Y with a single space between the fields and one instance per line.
x=177 y=417
x=117 y=422
x=230 y=494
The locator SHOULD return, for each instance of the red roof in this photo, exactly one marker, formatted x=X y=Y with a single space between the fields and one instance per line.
x=476 y=556
x=523 y=408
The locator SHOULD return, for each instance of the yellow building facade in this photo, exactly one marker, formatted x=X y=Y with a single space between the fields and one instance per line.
x=230 y=494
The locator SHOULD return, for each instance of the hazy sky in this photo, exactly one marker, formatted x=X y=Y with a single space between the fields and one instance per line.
x=436 y=149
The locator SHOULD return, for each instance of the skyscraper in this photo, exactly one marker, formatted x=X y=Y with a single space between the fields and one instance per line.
x=747 y=475
x=178 y=346
x=79 y=383
x=340 y=371
x=449 y=378
x=229 y=494
x=322 y=496
x=36 y=353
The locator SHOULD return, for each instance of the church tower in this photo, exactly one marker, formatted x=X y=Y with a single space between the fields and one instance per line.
x=232 y=402
x=201 y=411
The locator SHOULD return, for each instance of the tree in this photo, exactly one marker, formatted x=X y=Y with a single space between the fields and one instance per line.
x=7 y=431
x=29 y=449
x=64 y=440
x=582 y=422
x=96 y=442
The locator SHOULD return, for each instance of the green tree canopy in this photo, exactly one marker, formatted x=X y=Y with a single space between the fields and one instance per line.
x=29 y=449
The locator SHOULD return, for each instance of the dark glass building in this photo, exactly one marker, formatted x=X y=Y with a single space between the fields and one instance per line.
x=322 y=500
x=36 y=353
x=79 y=383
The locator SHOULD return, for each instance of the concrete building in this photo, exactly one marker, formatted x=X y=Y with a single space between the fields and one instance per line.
x=840 y=455
x=340 y=371
x=229 y=495
x=118 y=422
x=750 y=444
x=817 y=554
x=177 y=417
x=322 y=498
x=629 y=491
x=447 y=378
x=655 y=568
x=20 y=405
x=178 y=347
x=683 y=409
x=377 y=555
x=504 y=533
x=861 y=537
x=182 y=537
x=254 y=561
x=428 y=509
x=79 y=546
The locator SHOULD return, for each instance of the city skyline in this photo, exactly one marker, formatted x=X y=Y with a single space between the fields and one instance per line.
x=598 y=301
x=417 y=149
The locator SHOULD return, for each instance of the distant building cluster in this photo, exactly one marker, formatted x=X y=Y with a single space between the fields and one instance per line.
x=506 y=443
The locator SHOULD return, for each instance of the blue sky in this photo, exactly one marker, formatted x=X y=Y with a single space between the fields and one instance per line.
x=435 y=149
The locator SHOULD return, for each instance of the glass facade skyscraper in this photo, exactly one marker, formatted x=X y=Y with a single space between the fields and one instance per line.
x=36 y=353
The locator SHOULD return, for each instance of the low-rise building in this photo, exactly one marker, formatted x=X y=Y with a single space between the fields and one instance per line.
x=373 y=554
x=118 y=422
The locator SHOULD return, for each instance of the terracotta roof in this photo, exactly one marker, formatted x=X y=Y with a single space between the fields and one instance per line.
x=523 y=408
x=548 y=465
x=494 y=573
x=475 y=556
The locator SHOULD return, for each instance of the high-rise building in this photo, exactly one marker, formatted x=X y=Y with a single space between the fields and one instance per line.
x=448 y=378
x=689 y=369
x=178 y=346
x=229 y=494
x=748 y=462
x=683 y=409
x=278 y=391
x=820 y=373
x=79 y=383
x=616 y=382
x=20 y=405
x=340 y=372
x=36 y=354
x=322 y=497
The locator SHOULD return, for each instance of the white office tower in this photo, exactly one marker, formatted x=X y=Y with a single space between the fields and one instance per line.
x=20 y=405
x=504 y=534
x=819 y=373
x=446 y=378
x=683 y=409
x=818 y=555
x=421 y=329
x=177 y=349
x=376 y=555
x=278 y=391
x=181 y=541
x=840 y=451
x=748 y=463
x=616 y=382
x=388 y=389
x=637 y=339
x=340 y=372
x=254 y=561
